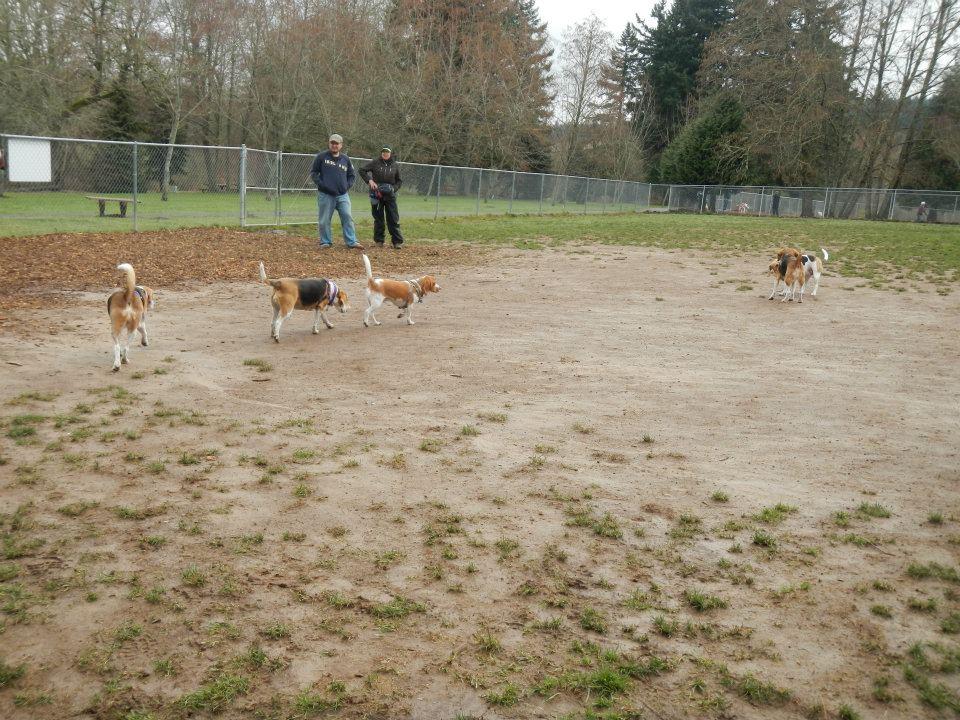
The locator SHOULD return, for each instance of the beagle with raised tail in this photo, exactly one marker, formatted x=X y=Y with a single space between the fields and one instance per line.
x=127 y=309
x=795 y=269
x=402 y=293
x=291 y=294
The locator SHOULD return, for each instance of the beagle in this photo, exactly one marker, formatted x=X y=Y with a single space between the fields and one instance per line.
x=127 y=309
x=813 y=268
x=402 y=293
x=787 y=268
x=290 y=294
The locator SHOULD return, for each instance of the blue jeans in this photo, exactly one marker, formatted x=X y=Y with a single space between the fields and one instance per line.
x=326 y=204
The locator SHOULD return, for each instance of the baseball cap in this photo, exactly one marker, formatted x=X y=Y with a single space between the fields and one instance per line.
x=336 y=138
x=386 y=148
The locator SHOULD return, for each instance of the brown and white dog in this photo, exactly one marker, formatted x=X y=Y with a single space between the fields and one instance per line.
x=291 y=294
x=127 y=309
x=787 y=268
x=795 y=269
x=402 y=293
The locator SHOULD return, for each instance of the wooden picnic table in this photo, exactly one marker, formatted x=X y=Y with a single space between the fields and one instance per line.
x=102 y=203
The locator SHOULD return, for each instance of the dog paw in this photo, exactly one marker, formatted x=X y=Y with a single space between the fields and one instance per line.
x=144 y=343
x=116 y=368
x=316 y=331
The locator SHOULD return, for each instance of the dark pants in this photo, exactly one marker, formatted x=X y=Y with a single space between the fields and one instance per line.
x=387 y=206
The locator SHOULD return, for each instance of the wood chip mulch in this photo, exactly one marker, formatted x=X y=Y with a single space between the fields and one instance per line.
x=37 y=271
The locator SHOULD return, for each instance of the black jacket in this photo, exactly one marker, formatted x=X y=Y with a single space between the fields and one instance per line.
x=382 y=171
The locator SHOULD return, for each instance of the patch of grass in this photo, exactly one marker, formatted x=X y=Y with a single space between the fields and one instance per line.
x=261 y=365
x=764 y=539
x=399 y=607
x=127 y=631
x=469 y=431
x=303 y=455
x=605 y=526
x=431 y=445
x=757 y=692
x=494 y=417
x=872 y=510
x=950 y=625
x=847 y=713
x=774 y=515
x=293 y=537
x=276 y=631
x=841 y=518
x=156 y=467
x=337 y=531
x=594 y=621
x=398 y=462
x=926 y=605
x=194 y=577
x=508 y=696
x=686 y=528
x=701 y=602
x=32 y=396
x=487 y=643
x=883 y=611
x=78 y=508
x=10 y=673
x=582 y=428
x=310 y=704
x=933 y=570
x=935 y=518
x=385 y=559
x=216 y=695
x=506 y=548
x=302 y=491
x=720 y=496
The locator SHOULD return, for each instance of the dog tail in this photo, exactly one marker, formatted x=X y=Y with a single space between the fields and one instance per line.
x=366 y=266
x=265 y=280
x=130 y=281
x=826 y=255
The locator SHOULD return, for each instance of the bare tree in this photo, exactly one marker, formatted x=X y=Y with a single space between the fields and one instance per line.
x=583 y=55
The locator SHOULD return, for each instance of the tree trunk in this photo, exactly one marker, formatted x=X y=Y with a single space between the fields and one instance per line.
x=168 y=155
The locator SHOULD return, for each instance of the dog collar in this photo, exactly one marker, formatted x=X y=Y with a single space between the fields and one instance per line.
x=141 y=293
x=333 y=292
x=417 y=290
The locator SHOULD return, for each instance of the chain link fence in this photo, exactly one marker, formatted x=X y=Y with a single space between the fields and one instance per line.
x=50 y=185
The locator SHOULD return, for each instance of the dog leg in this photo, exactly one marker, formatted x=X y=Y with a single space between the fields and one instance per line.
x=116 y=353
x=788 y=290
x=816 y=283
x=776 y=284
x=143 y=333
x=274 y=326
x=124 y=353
x=316 y=321
x=410 y=315
x=323 y=316
x=277 y=323
x=373 y=302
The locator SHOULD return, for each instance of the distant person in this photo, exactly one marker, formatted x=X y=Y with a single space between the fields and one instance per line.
x=333 y=174
x=775 y=206
x=383 y=177
x=922 y=212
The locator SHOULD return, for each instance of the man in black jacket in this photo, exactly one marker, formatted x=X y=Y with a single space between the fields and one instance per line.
x=383 y=177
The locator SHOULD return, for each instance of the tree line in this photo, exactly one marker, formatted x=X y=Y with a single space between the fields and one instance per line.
x=844 y=93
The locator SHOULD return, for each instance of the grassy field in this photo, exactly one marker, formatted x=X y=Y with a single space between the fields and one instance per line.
x=59 y=212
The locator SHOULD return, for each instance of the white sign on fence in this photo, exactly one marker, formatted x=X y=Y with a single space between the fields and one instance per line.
x=28 y=161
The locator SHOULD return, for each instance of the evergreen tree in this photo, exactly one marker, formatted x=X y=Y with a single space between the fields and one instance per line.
x=700 y=152
x=668 y=54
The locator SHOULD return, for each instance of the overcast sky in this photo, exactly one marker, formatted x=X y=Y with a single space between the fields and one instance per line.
x=559 y=14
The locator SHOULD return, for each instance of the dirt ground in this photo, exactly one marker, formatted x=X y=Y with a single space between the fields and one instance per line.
x=589 y=482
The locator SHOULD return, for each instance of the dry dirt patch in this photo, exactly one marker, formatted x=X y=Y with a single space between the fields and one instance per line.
x=587 y=481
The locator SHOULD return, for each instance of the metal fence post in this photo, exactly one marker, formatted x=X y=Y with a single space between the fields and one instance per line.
x=436 y=210
x=479 y=188
x=543 y=179
x=136 y=224
x=586 y=197
x=893 y=205
x=669 y=196
x=276 y=204
x=955 y=198
x=703 y=198
x=243 y=186
x=513 y=191
x=763 y=191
